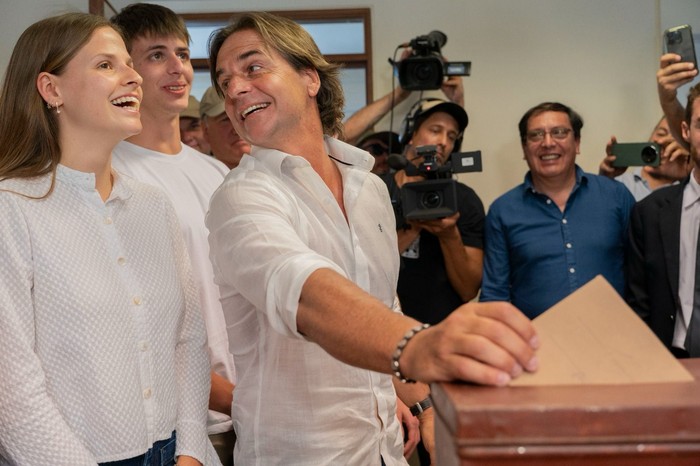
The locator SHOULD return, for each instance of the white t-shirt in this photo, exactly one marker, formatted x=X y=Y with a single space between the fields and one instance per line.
x=189 y=179
x=274 y=222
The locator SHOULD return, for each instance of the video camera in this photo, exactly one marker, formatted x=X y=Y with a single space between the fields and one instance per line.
x=426 y=67
x=436 y=196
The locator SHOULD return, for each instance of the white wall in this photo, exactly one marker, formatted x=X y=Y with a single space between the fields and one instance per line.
x=599 y=56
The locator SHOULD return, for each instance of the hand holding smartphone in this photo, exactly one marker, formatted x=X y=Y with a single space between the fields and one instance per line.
x=636 y=154
x=679 y=40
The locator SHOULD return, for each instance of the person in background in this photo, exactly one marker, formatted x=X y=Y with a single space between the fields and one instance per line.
x=674 y=164
x=561 y=227
x=441 y=258
x=662 y=258
x=104 y=357
x=158 y=43
x=304 y=250
x=191 y=132
x=226 y=145
x=672 y=74
x=360 y=124
x=380 y=145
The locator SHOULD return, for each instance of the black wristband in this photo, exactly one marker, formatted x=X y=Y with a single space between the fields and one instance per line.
x=421 y=406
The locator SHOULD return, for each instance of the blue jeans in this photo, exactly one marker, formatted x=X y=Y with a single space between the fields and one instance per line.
x=162 y=453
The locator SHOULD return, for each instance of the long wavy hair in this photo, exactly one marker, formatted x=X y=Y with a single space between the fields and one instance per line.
x=291 y=41
x=29 y=132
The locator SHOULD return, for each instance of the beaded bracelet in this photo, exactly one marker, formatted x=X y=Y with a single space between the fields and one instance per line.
x=399 y=350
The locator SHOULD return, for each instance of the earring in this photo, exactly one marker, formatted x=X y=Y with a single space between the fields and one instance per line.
x=58 y=109
x=48 y=105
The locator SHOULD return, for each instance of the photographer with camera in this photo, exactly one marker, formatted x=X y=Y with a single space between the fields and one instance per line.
x=441 y=256
x=422 y=67
x=558 y=229
x=673 y=164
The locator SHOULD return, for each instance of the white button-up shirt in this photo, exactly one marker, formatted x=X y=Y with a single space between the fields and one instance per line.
x=272 y=223
x=103 y=346
x=189 y=178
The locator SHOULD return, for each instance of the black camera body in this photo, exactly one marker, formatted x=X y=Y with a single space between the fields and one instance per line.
x=426 y=68
x=636 y=154
x=436 y=196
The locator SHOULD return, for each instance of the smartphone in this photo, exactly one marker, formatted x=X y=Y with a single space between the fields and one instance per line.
x=679 y=40
x=635 y=154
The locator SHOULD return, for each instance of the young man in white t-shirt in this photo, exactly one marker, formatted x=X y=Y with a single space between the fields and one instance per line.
x=158 y=43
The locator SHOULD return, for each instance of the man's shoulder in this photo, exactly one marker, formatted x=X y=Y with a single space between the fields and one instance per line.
x=512 y=197
x=612 y=191
x=660 y=198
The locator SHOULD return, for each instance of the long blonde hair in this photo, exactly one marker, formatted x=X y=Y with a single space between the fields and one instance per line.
x=29 y=132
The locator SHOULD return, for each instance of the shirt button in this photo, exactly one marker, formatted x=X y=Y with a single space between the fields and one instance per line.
x=121 y=260
x=143 y=346
x=572 y=270
x=108 y=220
x=147 y=393
x=568 y=245
x=564 y=221
x=136 y=300
x=549 y=201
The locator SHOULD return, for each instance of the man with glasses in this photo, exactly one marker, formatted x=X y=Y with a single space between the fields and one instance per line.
x=380 y=145
x=558 y=229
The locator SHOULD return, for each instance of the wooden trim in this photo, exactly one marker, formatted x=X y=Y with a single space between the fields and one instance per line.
x=356 y=60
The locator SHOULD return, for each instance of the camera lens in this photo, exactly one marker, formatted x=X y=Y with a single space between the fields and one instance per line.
x=674 y=37
x=649 y=154
x=431 y=199
x=425 y=72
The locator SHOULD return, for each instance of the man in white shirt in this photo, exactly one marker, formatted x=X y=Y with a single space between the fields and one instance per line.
x=304 y=251
x=157 y=156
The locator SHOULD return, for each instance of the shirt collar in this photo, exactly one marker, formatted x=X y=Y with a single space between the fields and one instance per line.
x=691 y=193
x=86 y=181
x=350 y=155
x=581 y=178
x=81 y=180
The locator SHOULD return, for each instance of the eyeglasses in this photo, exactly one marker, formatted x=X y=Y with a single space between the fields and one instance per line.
x=537 y=135
x=376 y=149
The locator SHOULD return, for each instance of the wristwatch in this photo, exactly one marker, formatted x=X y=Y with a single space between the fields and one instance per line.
x=421 y=406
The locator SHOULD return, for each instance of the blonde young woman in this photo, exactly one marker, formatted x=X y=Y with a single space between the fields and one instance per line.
x=103 y=356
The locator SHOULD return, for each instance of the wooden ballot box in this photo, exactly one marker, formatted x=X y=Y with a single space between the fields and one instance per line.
x=635 y=425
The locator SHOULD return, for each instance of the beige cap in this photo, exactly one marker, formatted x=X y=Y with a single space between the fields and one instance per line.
x=212 y=105
x=192 y=110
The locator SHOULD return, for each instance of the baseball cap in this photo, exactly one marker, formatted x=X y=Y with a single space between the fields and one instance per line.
x=212 y=105
x=389 y=138
x=192 y=110
x=437 y=105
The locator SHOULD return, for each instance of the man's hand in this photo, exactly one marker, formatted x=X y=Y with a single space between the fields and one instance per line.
x=673 y=151
x=410 y=423
x=606 y=167
x=187 y=461
x=453 y=87
x=438 y=226
x=485 y=343
x=673 y=74
x=427 y=432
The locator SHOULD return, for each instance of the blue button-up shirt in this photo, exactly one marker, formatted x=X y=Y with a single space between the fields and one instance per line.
x=536 y=255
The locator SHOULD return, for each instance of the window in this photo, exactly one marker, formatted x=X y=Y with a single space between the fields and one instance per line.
x=343 y=36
